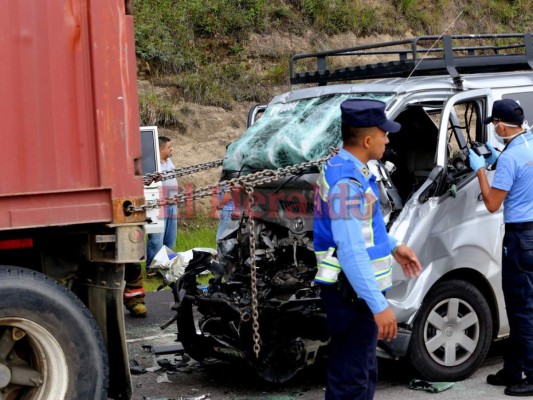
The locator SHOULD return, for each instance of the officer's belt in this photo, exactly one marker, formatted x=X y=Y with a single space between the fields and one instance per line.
x=519 y=226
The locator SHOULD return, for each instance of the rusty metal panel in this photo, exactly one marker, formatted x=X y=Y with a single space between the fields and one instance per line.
x=69 y=110
x=48 y=209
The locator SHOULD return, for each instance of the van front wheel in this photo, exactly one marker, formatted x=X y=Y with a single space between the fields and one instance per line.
x=452 y=332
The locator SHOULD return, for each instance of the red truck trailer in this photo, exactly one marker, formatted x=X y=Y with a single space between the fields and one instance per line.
x=70 y=162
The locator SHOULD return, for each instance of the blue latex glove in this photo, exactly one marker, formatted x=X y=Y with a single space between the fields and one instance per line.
x=476 y=162
x=493 y=155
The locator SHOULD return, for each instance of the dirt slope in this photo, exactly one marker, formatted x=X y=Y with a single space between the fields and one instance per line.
x=208 y=130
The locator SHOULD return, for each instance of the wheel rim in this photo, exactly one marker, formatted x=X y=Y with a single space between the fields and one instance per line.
x=32 y=363
x=451 y=332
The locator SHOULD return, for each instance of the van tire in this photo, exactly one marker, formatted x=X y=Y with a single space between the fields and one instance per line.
x=42 y=320
x=465 y=326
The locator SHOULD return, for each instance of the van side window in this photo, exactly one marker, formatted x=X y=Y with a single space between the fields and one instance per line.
x=413 y=148
x=465 y=125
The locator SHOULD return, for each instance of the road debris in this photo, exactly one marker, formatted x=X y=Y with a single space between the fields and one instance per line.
x=136 y=368
x=163 y=378
x=170 y=349
x=201 y=397
x=431 y=387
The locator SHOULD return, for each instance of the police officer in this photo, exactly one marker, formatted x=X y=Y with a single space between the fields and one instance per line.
x=512 y=186
x=353 y=252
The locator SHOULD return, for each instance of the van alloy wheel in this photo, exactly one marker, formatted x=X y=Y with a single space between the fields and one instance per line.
x=451 y=333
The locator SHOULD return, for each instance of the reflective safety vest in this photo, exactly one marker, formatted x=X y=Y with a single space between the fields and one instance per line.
x=366 y=207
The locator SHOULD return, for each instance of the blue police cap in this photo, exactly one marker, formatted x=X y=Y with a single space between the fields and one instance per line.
x=506 y=110
x=361 y=113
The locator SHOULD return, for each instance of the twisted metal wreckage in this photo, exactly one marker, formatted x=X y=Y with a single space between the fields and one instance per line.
x=260 y=305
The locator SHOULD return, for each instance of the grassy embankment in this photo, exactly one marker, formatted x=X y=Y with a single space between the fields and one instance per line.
x=199 y=51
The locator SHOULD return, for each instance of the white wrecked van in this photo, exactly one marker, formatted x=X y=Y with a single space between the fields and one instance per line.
x=264 y=308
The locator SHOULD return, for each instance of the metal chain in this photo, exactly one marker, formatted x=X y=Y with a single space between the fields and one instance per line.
x=258 y=178
x=253 y=272
x=247 y=182
x=177 y=172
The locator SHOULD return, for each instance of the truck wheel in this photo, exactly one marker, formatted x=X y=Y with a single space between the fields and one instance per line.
x=452 y=332
x=50 y=346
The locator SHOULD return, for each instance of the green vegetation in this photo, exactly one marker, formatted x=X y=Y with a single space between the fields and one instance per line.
x=218 y=85
x=154 y=110
x=199 y=232
x=338 y=16
x=151 y=283
x=201 y=48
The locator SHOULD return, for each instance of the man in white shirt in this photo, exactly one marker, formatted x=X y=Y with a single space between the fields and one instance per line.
x=170 y=188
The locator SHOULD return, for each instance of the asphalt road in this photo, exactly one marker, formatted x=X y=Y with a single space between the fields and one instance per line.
x=223 y=381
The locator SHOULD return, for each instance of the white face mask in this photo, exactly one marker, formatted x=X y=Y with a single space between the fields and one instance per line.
x=501 y=139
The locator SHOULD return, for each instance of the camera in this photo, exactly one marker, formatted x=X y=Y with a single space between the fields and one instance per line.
x=480 y=149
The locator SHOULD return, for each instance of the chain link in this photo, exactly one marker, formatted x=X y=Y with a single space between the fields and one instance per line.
x=247 y=182
x=177 y=172
x=256 y=179
x=253 y=272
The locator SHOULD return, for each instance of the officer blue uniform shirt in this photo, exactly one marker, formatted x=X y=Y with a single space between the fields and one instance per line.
x=514 y=174
x=348 y=235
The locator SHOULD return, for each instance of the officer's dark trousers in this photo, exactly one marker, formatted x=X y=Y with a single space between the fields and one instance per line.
x=352 y=368
x=517 y=283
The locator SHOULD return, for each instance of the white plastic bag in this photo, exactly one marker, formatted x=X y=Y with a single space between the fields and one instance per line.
x=171 y=264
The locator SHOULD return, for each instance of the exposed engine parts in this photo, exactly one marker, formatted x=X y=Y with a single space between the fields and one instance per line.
x=289 y=307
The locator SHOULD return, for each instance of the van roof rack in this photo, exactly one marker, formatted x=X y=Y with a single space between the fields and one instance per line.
x=422 y=56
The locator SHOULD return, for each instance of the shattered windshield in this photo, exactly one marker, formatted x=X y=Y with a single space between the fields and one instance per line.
x=292 y=133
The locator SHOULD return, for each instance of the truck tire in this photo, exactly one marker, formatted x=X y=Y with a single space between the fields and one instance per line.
x=451 y=333
x=50 y=345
